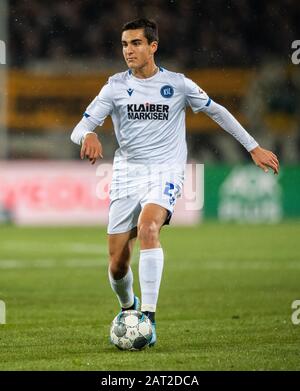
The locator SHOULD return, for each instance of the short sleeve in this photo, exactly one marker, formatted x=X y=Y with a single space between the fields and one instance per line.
x=101 y=106
x=195 y=97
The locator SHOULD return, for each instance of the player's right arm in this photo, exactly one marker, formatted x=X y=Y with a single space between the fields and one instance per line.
x=91 y=148
x=95 y=114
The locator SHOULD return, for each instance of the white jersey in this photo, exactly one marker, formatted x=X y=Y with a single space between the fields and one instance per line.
x=148 y=115
x=149 y=122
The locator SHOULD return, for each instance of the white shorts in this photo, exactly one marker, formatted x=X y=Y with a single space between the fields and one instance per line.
x=126 y=203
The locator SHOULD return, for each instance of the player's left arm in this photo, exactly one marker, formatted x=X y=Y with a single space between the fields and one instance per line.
x=262 y=157
x=198 y=100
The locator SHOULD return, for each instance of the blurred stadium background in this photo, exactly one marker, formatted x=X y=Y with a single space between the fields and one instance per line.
x=58 y=55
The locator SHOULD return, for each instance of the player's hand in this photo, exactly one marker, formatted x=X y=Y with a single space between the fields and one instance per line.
x=91 y=148
x=265 y=159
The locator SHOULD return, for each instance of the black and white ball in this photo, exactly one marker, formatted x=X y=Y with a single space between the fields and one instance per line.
x=131 y=330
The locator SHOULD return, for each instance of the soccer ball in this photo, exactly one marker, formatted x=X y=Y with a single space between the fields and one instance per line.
x=131 y=330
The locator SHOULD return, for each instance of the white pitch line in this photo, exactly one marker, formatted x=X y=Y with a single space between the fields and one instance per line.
x=243 y=265
x=263 y=265
x=100 y=262
x=52 y=263
x=74 y=247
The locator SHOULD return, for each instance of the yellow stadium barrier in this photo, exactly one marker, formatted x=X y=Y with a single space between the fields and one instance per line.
x=45 y=101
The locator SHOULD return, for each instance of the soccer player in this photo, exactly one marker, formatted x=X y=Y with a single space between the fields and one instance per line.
x=147 y=105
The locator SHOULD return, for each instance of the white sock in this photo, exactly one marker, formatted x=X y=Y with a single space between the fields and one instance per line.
x=150 y=272
x=123 y=288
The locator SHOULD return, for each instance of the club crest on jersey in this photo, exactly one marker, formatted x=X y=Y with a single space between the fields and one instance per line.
x=130 y=91
x=167 y=91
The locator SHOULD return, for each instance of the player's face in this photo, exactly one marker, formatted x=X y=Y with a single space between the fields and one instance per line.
x=136 y=49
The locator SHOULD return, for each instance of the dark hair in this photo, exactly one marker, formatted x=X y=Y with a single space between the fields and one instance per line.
x=149 y=26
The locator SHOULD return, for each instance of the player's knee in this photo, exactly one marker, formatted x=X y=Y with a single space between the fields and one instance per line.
x=148 y=232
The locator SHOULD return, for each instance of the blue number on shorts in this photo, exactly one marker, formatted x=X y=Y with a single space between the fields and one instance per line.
x=170 y=191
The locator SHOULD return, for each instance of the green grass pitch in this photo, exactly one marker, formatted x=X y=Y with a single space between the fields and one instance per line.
x=225 y=300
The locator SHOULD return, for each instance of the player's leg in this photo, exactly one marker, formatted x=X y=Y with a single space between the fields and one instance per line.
x=151 y=262
x=120 y=247
x=122 y=231
x=151 y=219
x=120 y=274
